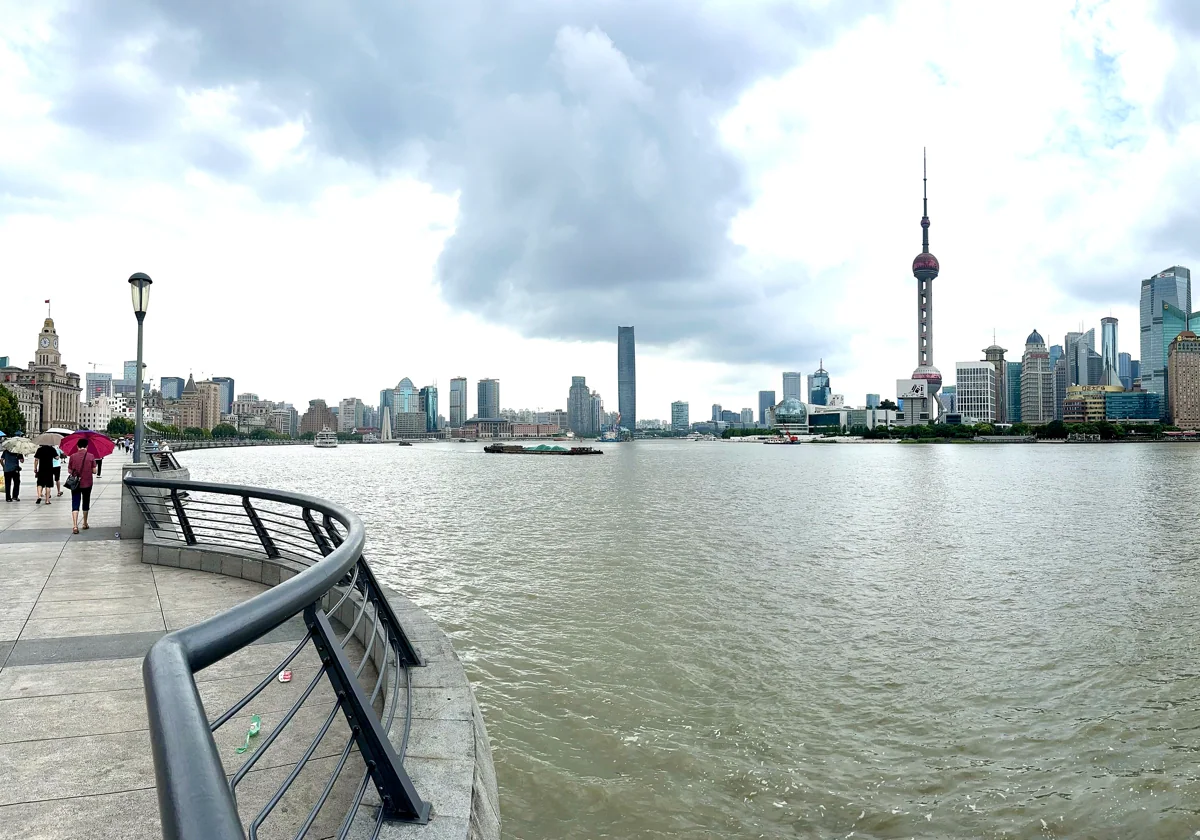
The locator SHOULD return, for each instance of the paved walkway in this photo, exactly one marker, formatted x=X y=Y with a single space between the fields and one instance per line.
x=77 y=614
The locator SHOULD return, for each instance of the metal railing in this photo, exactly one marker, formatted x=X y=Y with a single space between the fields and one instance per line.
x=160 y=461
x=361 y=673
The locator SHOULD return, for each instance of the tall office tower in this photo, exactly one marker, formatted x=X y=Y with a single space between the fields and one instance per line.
x=1060 y=386
x=130 y=372
x=1135 y=372
x=819 y=391
x=872 y=401
x=1108 y=342
x=1012 y=401
x=350 y=414
x=626 y=378
x=226 y=383
x=1183 y=380
x=995 y=355
x=766 y=401
x=679 y=417
x=1172 y=286
x=579 y=407
x=487 y=399
x=1124 y=370
x=427 y=402
x=405 y=401
x=458 y=401
x=99 y=385
x=1037 y=382
x=716 y=412
x=792 y=383
x=171 y=387
x=975 y=391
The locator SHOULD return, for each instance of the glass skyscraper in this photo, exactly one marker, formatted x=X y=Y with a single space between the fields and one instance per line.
x=1108 y=342
x=427 y=400
x=1014 y=392
x=405 y=401
x=172 y=387
x=487 y=399
x=792 y=382
x=1125 y=370
x=1172 y=287
x=458 y=401
x=766 y=399
x=818 y=386
x=626 y=378
x=226 y=383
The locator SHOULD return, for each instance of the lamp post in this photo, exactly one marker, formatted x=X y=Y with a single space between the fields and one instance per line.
x=139 y=286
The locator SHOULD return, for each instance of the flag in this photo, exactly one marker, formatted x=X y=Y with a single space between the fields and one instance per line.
x=47 y=300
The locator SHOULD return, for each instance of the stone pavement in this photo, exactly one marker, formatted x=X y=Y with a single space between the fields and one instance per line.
x=77 y=614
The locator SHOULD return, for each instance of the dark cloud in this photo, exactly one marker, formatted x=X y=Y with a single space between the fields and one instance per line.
x=581 y=137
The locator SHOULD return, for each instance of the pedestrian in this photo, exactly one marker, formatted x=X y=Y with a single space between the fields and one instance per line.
x=99 y=463
x=43 y=471
x=58 y=454
x=81 y=464
x=12 y=475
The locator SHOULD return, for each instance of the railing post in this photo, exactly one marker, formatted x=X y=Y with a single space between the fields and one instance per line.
x=264 y=537
x=400 y=798
x=318 y=536
x=374 y=593
x=184 y=525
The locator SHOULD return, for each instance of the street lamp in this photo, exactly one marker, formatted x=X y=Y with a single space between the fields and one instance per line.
x=139 y=286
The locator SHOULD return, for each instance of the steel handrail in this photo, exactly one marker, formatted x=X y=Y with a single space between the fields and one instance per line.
x=195 y=799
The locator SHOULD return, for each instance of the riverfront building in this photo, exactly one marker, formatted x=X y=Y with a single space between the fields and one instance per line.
x=1125 y=370
x=1108 y=345
x=1087 y=403
x=872 y=401
x=791 y=417
x=792 y=381
x=458 y=401
x=1013 y=395
x=1183 y=379
x=172 y=388
x=427 y=404
x=579 y=407
x=975 y=391
x=626 y=378
x=48 y=383
x=1037 y=382
x=350 y=412
x=226 y=383
x=97 y=385
x=994 y=355
x=766 y=402
x=1173 y=287
x=1124 y=406
x=819 y=390
x=318 y=417
x=487 y=398
x=679 y=417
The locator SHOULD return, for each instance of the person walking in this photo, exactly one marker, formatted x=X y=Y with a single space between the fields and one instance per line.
x=12 y=475
x=58 y=454
x=81 y=464
x=43 y=471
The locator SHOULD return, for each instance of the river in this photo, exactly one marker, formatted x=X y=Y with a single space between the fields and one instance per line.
x=686 y=640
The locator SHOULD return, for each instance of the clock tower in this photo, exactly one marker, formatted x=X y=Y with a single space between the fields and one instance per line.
x=47 y=348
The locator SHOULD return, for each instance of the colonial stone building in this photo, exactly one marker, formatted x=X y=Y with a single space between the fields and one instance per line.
x=51 y=398
x=200 y=407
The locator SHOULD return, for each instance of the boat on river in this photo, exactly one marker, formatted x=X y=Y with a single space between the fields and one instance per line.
x=325 y=439
x=542 y=449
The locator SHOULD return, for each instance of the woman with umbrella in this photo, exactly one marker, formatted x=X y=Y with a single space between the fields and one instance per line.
x=85 y=448
x=43 y=465
x=13 y=454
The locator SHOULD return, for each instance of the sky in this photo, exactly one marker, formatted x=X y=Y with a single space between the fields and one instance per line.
x=333 y=196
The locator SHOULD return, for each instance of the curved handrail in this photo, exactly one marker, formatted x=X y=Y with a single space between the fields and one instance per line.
x=195 y=799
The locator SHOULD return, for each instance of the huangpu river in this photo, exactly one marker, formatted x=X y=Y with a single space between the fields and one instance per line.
x=708 y=639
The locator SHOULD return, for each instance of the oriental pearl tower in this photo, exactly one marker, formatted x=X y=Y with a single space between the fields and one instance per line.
x=925 y=269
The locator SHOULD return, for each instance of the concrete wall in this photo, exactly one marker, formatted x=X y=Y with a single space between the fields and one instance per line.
x=449 y=756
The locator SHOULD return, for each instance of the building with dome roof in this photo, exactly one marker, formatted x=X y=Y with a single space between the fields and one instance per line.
x=791 y=417
x=1037 y=382
x=995 y=355
x=47 y=393
x=920 y=392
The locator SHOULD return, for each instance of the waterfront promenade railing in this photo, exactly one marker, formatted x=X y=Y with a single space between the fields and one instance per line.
x=320 y=545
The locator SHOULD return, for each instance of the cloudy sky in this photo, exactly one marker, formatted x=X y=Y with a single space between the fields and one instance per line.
x=331 y=196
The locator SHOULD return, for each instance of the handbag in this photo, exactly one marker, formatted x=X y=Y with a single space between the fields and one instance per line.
x=72 y=482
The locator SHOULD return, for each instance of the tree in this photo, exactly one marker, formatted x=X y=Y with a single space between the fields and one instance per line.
x=224 y=430
x=888 y=405
x=260 y=434
x=308 y=436
x=11 y=419
x=120 y=426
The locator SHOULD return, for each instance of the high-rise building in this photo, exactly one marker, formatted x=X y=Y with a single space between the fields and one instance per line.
x=597 y=419
x=1125 y=370
x=458 y=401
x=766 y=402
x=130 y=371
x=1183 y=380
x=818 y=386
x=975 y=391
x=792 y=382
x=317 y=418
x=925 y=267
x=405 y=400
x=1037 y=382
x=1061 y=381
x=1172 y=286
x=950 y=399
x=171 y=387
x=994 y=355
x=1079 y=347
x=427 y=403
x=716 y=412
x=1012 y=399
x=487 y=399
x=226 y=383
x=1108 y=343
x=872 y=401
x=1056 y=353
x=350 y=414
x=1135 y=373
x=97 y=385
x=747 y=417
x=579 y=407
x=626 y=378
x=679 y=417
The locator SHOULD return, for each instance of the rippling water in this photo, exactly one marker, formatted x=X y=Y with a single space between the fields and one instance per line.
x=732 y=640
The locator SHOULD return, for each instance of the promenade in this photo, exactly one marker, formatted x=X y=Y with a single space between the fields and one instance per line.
x=77 y=615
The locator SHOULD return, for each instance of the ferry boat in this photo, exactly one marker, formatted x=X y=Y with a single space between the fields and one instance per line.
x=325 y=439
x=541 y=449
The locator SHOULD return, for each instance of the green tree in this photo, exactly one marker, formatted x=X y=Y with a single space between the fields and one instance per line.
x=120 y=426
x=888 y=405
x=224 y=430
x=308 y=436
x=260 y=434
x=11 y=419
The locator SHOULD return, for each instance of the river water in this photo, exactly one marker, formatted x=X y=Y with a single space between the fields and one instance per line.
x=733 y=640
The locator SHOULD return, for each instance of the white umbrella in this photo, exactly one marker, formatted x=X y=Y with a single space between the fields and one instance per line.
x=19 y=445
x=57 y=431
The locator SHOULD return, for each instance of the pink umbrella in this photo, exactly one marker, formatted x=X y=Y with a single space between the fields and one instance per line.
x=98 y=444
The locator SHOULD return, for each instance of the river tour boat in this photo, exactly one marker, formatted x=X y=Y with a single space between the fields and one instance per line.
x=542 y=449
x=325 y=439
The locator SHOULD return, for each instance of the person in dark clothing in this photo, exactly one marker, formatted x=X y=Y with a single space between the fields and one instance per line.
x=12 y=475
x=43 y=470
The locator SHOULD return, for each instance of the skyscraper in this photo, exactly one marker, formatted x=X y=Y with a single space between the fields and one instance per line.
x=226 y=383
x=679 y=417
x=716 y=412
x=995 y=355
x=792 y=381
x=1012 y=402
x=766 y=400
x=172 y=387
x=1172 y=286
x=872 y=401
x=1108 y=342
x=427 y=402
x=626 y=378
x=579 y=407
x=405 y=401
x=1125 y=370
x=1183 y=380
x=975 y=391
x=818 y=386
x=458 y=401
x=925 y=267
x=99 y=385
x=487 y=399
x=1037 y=382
